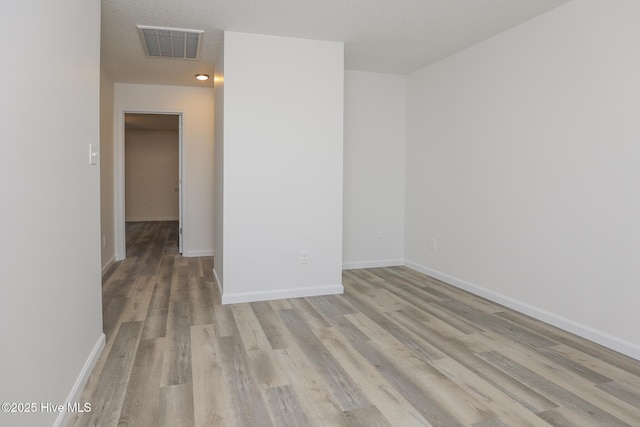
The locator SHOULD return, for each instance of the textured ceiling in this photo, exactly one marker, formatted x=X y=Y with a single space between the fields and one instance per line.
x=390 y=36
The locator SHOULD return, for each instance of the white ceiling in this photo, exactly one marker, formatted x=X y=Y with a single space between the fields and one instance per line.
x=389 y=36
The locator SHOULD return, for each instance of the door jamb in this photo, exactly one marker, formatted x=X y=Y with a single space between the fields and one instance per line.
x=119 y=180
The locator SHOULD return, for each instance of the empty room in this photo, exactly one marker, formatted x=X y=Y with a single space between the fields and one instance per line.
x=321 y=213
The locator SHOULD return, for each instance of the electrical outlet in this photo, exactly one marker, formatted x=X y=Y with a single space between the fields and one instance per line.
x=104 y=241
x=380 y=236
x=304 y=256
x=433 y=244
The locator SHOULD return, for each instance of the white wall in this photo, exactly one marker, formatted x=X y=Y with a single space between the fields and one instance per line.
x=374 y=139
x=283 y=142
x=196 y=104
x=106 y=170
x=151 y=175
x=50 y=299
x=522 y=161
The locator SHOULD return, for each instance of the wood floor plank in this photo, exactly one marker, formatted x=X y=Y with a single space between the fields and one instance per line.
x=265 y=371
x=249 y=408
x=547 y=387
x=154 y=250
x=314 y=319
x=442 y=291
x=315 y=399
x=137 y=305
x=176 y=406
x=366 y=417
x=380 y=297
x=364 y=274
x=342 y=387
x=603 y=366
x=143 y=391
x=332 y=309
x=462 y=324
x=207 y=268
x=112 y=315
x=509 y=411
x=249 y=328
x=285 y=407
x=452 y=319
x=572 y=383
x=458 y=351
x=212 y=403
x=491 y=322
x=395 y=408
x=410 y=316
x=573 y=366
x=280 y=304
x=631 y=395
x=273 y=328
x=330 y=306
x=497 y=422
x=195 y=267
x=223 y=321
x=165 y=271
x=408 y=285
x=200 y=298
x=564 y=417
x=177 y=362
x=109 y=393
x=417 y=345
x=581 y=345
x=113 y=286
x=121 y=294
x=409 y=387
x=155 y=325
x=415 y=379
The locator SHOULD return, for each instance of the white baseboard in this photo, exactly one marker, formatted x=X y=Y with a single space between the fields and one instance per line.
x=615 y=343
x=282 y=294
x=206 y=252
x=89 y=364
x=372 y=264
x=108 y=264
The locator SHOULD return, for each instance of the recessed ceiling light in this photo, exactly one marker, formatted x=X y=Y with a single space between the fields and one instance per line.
x=202 y=77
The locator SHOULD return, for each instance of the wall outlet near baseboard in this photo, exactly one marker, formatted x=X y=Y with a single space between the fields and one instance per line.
x=433 y=244
x=104 y=241
x=304 y=256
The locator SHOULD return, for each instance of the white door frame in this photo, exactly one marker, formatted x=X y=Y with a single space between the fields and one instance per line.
x=119 y=184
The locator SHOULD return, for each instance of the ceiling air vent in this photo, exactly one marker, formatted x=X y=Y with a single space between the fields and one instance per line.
x=170 y=42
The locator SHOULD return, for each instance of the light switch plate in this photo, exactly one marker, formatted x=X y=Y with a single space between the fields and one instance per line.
x=93 y=154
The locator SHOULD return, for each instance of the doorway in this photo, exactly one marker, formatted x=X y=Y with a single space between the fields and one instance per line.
x=150 y=171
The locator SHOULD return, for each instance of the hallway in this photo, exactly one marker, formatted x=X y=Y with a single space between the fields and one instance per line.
x=150 y=301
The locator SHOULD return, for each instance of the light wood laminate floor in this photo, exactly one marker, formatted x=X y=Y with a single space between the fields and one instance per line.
x=397 y=349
